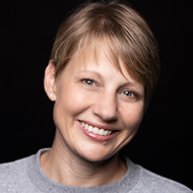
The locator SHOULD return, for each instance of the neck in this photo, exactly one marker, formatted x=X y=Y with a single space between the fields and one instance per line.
x=70 y=170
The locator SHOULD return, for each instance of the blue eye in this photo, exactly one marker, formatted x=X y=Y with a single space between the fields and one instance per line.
x=88 y=82
x=129 y=93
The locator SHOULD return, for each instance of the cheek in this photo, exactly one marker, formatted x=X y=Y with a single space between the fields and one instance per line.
x=71 y=100
x=132 y=115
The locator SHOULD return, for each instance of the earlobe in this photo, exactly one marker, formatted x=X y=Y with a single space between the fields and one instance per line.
x=49 y=81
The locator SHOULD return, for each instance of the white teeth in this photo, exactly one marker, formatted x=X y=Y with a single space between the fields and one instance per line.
x=96 y=130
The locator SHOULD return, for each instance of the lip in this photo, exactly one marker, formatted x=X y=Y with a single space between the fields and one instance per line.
x=96 y=137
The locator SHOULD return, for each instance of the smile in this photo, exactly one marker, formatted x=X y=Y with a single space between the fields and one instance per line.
x=96 y=130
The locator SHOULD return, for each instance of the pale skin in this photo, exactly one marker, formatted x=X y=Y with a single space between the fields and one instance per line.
x=97 y=111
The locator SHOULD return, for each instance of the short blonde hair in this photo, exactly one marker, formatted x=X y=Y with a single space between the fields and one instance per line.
x=127 y=34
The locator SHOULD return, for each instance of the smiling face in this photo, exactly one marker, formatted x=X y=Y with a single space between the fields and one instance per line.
x=97 y=109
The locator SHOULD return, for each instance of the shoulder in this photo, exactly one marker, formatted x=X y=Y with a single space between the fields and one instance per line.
x=156 y=183
x=12 y=173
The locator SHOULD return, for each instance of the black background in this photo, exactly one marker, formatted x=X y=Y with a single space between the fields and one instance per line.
x=27 y=29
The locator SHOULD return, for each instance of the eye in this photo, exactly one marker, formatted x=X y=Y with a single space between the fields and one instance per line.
x=129 y=93
x=88 y=82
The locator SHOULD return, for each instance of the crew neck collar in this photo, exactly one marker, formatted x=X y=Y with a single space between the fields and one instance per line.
x=44 y=184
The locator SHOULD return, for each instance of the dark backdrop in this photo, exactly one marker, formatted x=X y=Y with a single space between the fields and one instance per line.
x=27 y=29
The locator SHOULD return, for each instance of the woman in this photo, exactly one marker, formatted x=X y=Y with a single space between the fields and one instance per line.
x=103 y=69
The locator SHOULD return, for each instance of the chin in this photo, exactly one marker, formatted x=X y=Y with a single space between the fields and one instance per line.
x=96 y=157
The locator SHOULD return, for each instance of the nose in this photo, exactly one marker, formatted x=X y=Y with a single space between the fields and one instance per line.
x=106 y=108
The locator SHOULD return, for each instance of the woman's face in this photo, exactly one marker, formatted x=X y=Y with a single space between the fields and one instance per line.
x=97 y=109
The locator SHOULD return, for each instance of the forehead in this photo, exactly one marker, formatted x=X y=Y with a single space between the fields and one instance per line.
x=93 y=53
x=98 y=49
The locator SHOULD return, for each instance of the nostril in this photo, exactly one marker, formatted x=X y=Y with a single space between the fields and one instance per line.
x=106 y=114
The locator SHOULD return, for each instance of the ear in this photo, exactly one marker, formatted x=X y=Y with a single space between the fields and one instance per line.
x=49 y=81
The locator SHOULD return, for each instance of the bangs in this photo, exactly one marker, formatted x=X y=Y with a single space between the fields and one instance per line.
x=93 y=45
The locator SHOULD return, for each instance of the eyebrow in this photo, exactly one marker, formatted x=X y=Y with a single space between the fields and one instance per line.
x=127 y=83
x=90 y=71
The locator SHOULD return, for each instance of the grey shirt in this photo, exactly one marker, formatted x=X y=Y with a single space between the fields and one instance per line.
x=25 y=176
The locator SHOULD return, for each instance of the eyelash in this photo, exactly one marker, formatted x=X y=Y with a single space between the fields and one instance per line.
x=130 y=94
x=127 y=93
x=88 y=82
